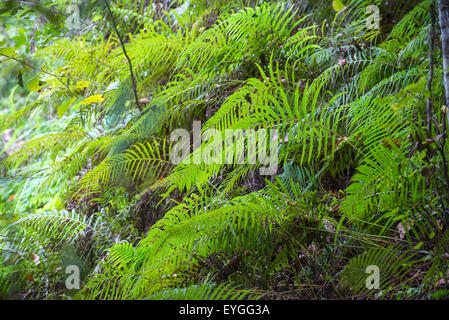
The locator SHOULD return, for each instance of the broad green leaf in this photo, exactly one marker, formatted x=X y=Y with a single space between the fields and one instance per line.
x=338 y=5
x=33 y=84
x=62 y=109
x=97 y=17
x=8 y=51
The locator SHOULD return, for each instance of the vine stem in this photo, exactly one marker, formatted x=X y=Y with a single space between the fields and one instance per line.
x=133 y=79
x=37 y=69
x=431 y=69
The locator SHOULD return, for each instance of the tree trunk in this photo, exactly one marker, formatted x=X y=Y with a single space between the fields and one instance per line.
x=443 y=11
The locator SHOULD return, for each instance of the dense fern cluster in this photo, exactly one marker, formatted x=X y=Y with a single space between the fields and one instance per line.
x=362 y=179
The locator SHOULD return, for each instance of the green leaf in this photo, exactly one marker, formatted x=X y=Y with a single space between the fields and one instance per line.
x=418 y=246
x=8 y=51
x=62 y=109
x=82 y=84
x=338 y=5
x=33 y=84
